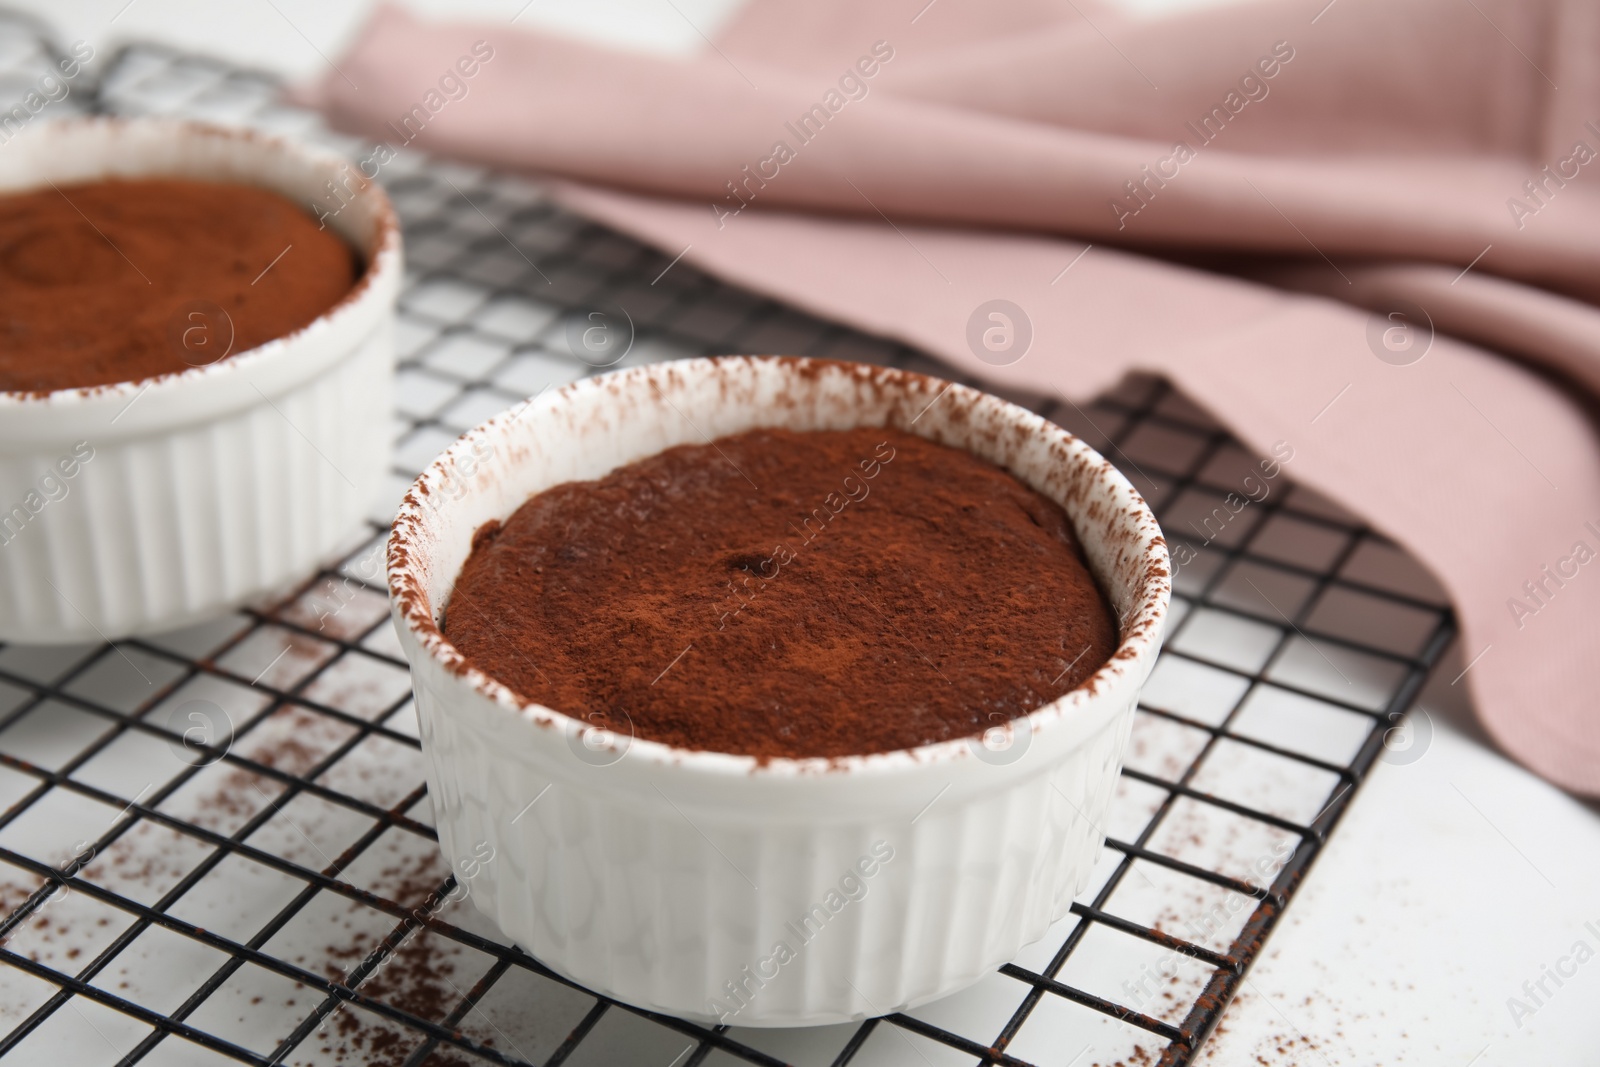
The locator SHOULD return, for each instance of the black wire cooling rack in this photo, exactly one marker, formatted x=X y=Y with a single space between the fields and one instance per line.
x=215 y=845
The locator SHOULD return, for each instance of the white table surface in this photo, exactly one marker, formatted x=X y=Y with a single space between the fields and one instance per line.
x=1453 y=880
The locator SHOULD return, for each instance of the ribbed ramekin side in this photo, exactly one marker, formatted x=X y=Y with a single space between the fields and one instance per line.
x=158 y=530
x=658 y=902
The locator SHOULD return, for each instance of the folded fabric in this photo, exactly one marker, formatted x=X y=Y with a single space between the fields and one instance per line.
x=1367 y=230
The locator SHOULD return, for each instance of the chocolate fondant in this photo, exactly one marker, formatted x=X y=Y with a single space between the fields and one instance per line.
x=116 y=281
x=787 y=594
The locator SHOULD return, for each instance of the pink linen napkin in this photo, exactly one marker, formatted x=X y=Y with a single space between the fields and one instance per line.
x=1239 y=199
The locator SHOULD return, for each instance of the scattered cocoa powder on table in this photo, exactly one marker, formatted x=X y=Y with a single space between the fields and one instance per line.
x=787 y=594
x=117 y=281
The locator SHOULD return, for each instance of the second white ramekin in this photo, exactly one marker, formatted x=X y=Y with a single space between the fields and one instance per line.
x=193 y=492
x=800 y=891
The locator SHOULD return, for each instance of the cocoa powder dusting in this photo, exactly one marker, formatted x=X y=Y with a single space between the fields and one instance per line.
x=103 y=282
x=782 y=594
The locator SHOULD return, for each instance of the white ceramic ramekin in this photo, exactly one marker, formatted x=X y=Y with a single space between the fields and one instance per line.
x=145 y=505
x=800 y=891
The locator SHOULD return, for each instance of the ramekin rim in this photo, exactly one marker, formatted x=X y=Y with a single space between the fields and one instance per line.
x=382 y=263
x=1137 y=644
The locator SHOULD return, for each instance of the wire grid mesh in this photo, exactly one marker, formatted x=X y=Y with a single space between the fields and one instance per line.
x=215 y=845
